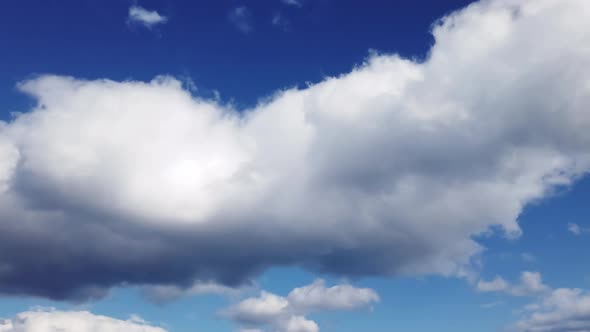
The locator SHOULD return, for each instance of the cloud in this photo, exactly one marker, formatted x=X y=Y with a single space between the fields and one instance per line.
x=147 y=18
x=564 y=310
x=280 y=21
x=317 y=296
x=392 y=169
x=530 y=284
x=72 y=321
x=295 y=3
x=241 y=18
x=287 y=314
x=576 y=229
x=166 y=293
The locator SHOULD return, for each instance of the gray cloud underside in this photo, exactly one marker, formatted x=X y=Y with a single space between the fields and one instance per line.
x=390 y=170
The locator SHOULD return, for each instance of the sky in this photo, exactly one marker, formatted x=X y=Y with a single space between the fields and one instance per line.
x=294 y=166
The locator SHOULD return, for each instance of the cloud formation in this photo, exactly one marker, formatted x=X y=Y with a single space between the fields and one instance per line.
x=530 y=284
x=564 y=310
x=390 y=170
x=287 y=314
x=72 y=321
x=147 y=18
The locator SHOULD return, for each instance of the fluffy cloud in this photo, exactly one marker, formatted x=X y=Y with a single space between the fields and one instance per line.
x=147 y=18
x=72 y=321
x=341 y=297
x=530 y=284
x=287 y=313
x=392 y=169
x=564 y=310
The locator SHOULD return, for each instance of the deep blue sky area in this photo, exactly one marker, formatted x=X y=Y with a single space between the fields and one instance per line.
x=242 y=52
x=91 y=39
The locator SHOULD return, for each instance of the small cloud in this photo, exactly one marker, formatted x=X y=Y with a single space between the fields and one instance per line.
x=577 y=229
x=241 y=18
x=574 y=228
x=295 y=3
x=147 y=18
x=280 y=21
x=530 y=284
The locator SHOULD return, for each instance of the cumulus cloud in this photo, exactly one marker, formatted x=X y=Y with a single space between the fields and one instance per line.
x=341 y=297
x=147 y=18
x=241 y=18
x=392 y=169
x=530 y=284
x=564 y=310
x=287 y=314
x=72 y=321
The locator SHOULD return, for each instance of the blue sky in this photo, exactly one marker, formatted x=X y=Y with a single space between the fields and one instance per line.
x=294 y=166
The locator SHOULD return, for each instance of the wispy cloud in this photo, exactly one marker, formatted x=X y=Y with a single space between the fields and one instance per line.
x=295 y=3
x=530 y=284
x=241 y=18
x=147 y=18
x=577 y=229
x=280 y=21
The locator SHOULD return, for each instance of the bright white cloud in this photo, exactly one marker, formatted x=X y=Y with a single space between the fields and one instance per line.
x=390 y=170
x=148 y=18
x=299 y=324
x=317 y=297
x=530 y=284
x=287 y=313
x=72 y=321
x=564 y=310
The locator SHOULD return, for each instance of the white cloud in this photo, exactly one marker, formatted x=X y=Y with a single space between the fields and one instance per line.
x=577 y=229
x=264 y=309
x=287 y=313
x=317 y=297
x=498 y=284
x=389 y=170
x=564 y=310
x=574 y=228
x=241 y=18
x=148 y=18
x=299 y=324
x=72 y=321
x=530 y=284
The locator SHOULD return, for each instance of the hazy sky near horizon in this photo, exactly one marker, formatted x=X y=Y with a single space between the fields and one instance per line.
x=294 y=166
